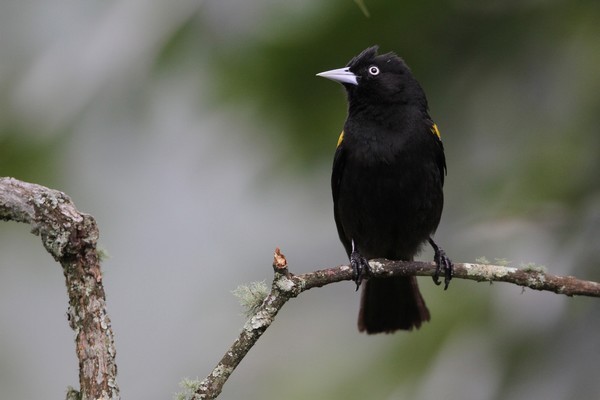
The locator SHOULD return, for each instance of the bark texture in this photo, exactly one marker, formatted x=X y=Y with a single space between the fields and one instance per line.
x=70 y=237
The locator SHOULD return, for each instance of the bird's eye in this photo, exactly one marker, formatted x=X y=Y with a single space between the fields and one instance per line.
x=373 y=70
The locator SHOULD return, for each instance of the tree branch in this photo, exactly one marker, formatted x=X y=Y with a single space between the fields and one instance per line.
x=286 y=286
x=71 y=236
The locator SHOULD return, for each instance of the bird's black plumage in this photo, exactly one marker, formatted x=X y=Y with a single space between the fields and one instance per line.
x=387 y=179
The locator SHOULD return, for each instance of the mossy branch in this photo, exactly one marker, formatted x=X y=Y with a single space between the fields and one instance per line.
x=70 y=237
x=286 y=286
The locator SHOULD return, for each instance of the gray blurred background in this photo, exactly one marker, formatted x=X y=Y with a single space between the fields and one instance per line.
x=198 y=136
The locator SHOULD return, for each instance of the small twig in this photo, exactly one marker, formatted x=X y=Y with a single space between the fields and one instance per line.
x=71 y=236
x=286 y=286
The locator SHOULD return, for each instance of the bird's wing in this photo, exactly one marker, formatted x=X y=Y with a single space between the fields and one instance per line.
x=339 y=161
x=440 y=158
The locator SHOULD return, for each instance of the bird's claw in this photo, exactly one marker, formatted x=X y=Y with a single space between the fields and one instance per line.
x=442 y=262
x=360 y=266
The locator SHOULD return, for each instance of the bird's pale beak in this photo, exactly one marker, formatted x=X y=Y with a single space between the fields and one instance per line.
x=341 y=75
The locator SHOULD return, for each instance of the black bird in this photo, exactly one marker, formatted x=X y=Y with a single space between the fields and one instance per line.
x=388 y=173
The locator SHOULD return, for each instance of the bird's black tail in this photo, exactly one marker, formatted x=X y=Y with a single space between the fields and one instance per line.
x=391 y=304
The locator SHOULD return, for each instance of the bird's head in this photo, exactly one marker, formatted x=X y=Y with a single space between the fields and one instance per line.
x=378 y=79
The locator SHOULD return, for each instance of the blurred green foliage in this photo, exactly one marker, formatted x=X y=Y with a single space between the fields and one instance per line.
x=28 y=158
x=441 y=41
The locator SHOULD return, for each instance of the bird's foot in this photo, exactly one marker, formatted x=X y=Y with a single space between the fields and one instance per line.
x=442 y=262
x=360 y=266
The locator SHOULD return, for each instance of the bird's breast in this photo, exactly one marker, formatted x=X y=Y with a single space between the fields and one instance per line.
x=390 y=197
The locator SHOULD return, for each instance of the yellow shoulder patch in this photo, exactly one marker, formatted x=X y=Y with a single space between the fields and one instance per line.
x=435 y=131
x=340 y=139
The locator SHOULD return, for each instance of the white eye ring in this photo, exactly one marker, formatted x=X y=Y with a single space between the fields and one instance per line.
x=373 y=70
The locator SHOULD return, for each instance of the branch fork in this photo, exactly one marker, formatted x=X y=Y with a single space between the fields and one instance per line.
x=285 y=286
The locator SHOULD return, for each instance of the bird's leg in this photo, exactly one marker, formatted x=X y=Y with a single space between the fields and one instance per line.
x=441 y=261
x=360 y=266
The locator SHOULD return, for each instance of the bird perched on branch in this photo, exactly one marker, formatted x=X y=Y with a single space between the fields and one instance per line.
x=388 y=173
